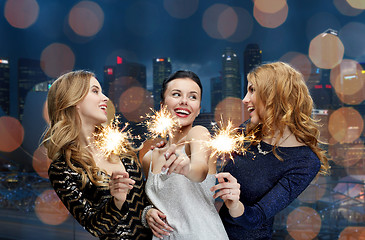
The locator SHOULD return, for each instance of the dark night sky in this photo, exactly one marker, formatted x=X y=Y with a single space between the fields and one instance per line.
x=143 y=29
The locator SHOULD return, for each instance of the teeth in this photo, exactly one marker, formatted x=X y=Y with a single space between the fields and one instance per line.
x=103 y=107
x=250 y=109
x=182 y=111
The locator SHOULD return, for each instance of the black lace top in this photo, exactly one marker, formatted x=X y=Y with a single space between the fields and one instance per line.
x=94 y=208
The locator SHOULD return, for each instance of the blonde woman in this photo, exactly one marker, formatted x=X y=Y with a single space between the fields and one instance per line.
x=105 y=195
x=259 y=184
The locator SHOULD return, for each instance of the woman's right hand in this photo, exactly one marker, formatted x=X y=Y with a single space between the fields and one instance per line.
x=119 y=186
x=158 y=224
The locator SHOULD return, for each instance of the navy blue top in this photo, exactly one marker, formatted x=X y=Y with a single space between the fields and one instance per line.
x=268 y=185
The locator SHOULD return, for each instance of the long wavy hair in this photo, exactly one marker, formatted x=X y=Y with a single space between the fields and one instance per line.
x=282 y=91
x=61 y=139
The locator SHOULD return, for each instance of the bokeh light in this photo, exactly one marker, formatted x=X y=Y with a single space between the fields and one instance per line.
x=270 y=6
x=12 y=134
x=270 y=20
x=345 y=8
x=57 y=58
x=326 y=51
x=303 y=223
x=21 y=13
x=352 y=35
x=110 y=110
x=134 y=103
x=348 y=80
x=359 y=4
x=41 y=161
x=49 y=208
x=300 y=62
x=315 y=191
x=212 y=18
x=181 y=8
x=229 y=109
x=227 y=22
x=345 y=125
x=346 y=155
x=86 y=18
x=244 y=25
x=352 y=233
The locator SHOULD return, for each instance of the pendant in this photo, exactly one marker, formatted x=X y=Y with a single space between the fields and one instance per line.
x=261 y=151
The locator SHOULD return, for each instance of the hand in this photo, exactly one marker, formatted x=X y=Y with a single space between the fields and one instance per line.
x=157 y=222
x=177 y=162
x=119 y=186
x=158 y=145
x=229 y=191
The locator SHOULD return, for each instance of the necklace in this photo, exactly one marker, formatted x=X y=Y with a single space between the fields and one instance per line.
x=266 y=152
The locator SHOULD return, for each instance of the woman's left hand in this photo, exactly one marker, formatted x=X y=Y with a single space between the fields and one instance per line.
x=176 y=161
x=229 y=191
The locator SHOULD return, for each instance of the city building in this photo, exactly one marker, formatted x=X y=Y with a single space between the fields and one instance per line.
x=252 y=58
x=5 y=85
x=231 y=76
x=161 y=70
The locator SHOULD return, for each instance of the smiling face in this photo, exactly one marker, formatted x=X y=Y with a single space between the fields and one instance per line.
x=182 y=98
x=93 y=108
x=253 y=106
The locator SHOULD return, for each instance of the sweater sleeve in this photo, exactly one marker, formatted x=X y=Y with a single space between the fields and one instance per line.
x=99 y=218
x=286 y=190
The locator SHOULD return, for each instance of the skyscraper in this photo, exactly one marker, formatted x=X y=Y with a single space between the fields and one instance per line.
x=252 y=58
x=215 y=92
x=29 y=74
x=231 y=76
x=161 y=70
x=4 y=85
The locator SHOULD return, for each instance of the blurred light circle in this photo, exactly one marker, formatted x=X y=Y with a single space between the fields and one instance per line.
x=181 y=8
x=326 y=51
x=271 y=20
x=12 y=134
x=315 y=191
x=21 y=13
x=243 y=27
x=86 y=18
x=319 y=22
x=348 y=80
x=345 y=8
x=56 y=59
x=350 y=233
x=211 y=19
x=41 y=161
x=110 y=110
x=359 y=4
x=229 y=109
x=227 y=22
x=49 y=208
x=345 y=125
x=270 y=6
x=45 y=112
x=352 y=35
x=300 y=62
x=135 y=103
x=303 y=223
x=143 y=18
x=346 y=155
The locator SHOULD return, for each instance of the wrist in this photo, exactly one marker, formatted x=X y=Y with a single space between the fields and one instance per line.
x=237 y=210
x=144 y=215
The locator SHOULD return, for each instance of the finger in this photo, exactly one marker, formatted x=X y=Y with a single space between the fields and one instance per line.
x=226 y=175
x=118 y=174
x=170 y=151
x=169 y=162
x=175 y=166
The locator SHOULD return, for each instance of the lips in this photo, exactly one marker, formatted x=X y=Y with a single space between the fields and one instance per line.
x=182 y=112
x=103 y=107
x=250 y=109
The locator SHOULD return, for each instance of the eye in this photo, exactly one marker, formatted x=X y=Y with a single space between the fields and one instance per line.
x=251 y=89
x=95 y=91
x=194 y=97
x=175 y=94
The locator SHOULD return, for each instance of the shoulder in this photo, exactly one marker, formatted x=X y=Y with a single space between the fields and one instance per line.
x=198 y=132
x=304 y=158
x=147 y=158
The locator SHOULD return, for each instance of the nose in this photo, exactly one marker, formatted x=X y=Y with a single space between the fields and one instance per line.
x=184 y=100
x=246 y=99
x=105 y=98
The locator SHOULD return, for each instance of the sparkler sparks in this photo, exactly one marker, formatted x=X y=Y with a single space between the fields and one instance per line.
x=112 y=140
x=161 y=124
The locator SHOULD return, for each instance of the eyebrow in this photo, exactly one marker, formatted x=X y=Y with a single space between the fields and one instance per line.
x=94 y=86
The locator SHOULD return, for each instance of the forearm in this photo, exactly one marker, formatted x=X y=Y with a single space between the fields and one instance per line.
x=237 y=210
x=198 y=172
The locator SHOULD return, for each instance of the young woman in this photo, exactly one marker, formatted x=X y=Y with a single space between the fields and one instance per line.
x=259 y=184
x=179 y=187
x=105 y=195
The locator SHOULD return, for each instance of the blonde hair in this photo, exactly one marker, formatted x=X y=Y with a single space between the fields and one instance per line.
x=283 y=92
x=62 y=136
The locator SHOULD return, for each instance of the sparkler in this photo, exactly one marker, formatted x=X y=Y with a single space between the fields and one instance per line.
x=161 y=124
x=227 y=140
x=112 y=140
